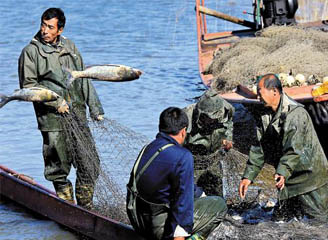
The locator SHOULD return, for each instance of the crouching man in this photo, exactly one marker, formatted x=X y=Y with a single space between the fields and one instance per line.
x=160 y=200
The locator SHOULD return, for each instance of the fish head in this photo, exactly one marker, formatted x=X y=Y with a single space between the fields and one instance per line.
x=138 y=72
x=129 y=73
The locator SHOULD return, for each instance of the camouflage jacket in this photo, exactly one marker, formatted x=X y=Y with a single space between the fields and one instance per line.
x=288 y=141
x=40 y=65
x=210 y=122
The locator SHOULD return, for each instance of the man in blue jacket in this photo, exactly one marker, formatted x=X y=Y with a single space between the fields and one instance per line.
x=160 y=201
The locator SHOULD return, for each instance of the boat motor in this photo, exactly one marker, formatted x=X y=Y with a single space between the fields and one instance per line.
x=279 y=12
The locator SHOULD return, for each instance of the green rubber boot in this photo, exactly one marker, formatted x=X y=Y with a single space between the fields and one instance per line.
x=196 y=236
x=84 y=195
x=65 y=192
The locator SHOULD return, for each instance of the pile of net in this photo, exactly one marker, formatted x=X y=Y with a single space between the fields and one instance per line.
x=220 y=173
x=284 y=50
x=293 y=230
x=116 y=147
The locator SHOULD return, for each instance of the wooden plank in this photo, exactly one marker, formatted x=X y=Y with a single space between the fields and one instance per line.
x=226 y=17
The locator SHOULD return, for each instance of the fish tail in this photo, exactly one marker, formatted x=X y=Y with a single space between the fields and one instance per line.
x=3 y=100
x=70 y=77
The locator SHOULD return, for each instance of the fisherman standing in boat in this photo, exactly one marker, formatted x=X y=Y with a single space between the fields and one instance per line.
x=160 y=200
x=41 y=65
x=288 y=141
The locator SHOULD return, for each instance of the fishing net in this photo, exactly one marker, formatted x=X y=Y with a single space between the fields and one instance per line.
x=219 y=174
x=285 y=49
x=300 y=230
x=106 y=151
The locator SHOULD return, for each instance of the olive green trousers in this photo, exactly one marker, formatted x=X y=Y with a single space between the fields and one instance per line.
x=209 y=212
x=58 y=161
x=313 y=204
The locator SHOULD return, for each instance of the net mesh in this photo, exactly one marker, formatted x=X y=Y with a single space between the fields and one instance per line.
x=116 y=147
x=300 y=230
x=219 y=174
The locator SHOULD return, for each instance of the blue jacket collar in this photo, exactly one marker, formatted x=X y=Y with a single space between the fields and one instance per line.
x=167 y=137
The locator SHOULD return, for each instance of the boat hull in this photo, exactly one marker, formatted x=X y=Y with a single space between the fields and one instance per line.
x=45 y=202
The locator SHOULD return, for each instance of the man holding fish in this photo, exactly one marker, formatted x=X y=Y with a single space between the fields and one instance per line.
x=41 y=65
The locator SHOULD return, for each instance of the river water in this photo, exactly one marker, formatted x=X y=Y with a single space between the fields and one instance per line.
x=158 y=37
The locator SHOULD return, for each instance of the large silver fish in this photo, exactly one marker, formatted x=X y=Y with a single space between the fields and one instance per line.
x=33 y=94
x=110 y=72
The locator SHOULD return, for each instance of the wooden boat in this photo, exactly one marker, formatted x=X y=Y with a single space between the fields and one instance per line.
x=208 y=42
x=41 y=200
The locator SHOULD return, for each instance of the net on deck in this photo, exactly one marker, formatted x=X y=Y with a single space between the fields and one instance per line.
x=300 y=230
x=285 y=49
x=116 y=147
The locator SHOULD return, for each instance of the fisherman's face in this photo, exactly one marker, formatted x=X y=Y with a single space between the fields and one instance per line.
x=49 y=30
x=265 y=95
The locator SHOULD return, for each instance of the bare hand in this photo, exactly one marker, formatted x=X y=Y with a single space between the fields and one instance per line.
x=280 y=181
x=100 y=118
x=179 y=238
x=227 y=145
x=243 y=187
x=63 y=108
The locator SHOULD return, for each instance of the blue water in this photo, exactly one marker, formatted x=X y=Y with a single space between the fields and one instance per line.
x=158 y=37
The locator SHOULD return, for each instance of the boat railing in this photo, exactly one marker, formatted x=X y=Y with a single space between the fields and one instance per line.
x=201 y=19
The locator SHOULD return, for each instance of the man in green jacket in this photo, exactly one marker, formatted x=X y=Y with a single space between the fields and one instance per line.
x=210 y=124
x=41 y=65
x=288 y=141
x=209 y=133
